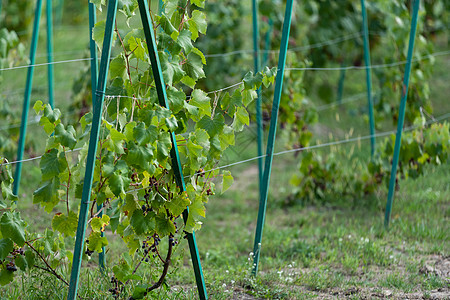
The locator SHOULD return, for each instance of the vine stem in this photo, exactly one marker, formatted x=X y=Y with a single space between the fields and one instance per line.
x=68 y=181
x=126 y=54
x=49 y=268
x=165 y=269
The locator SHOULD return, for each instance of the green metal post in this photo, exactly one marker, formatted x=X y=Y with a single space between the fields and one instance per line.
x=368 y=78
x=176 y=164
x=59 y=12
x=94 y=78
x=272 y=134
x=340 y=90
x=401 y=113
x=93 y=140
x=50 y=52
x=259 y=125
x=267 y=43
x=26 y=101
x=160 y=7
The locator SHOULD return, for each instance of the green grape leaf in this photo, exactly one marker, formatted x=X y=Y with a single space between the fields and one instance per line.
x=241 y=119
x=194 y=149
x=52 y=115
x=99 y=32
x=51 y=165
x=178 y=204
x=128 y=131
x=108 y=164
x=127 y=7
x=212 y=126
x=229 y=103
x=164 y=226
x=142 y=224
x=253 y=82
x=145 y=135
x=6 y=246
x=6 y=277
x=197 y=23
x=21 y=262
x=248 y=96
x=99 y=224
x=96 y=241
x=172 y=70
x=164 y=144
x=168 y=27
x=66 y=137
x=185 y=41
x=202 y=101
x=117 y=67
x=130 y=205
x=38 y=106
x=67 y=225
x=176 y=99
x=7 y=192
x=116 y=141
x=194 y=66
x=48 y=126
x=119 y=183
x=226 y=137
x=170 y=6
x=269 y=76
x=98 y=3
x=196 y=212
x=227 y=181
x=188 y=81
x=47 y=194
x=30 y=257
x=140 y=291
x=140 y=157
x=13 y=227
x=199 y=3
x=122 y=271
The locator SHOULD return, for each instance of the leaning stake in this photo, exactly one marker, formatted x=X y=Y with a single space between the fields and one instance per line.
x=259 y=125
x=26 y=101
x=50 y=52
x=176 y=165
x=368 y=78
x=272 y=134
x=401 y=113
x=94 y=78
x=93 y=140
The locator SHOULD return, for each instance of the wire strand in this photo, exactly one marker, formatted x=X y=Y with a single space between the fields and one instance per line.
x=46 y=64
x=296 y=49
x=394 y=64
x=382 y=134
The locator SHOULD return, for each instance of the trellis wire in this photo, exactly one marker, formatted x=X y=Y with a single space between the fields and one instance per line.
x=346 y=141
x=46 y=64
x=394 y=64
x=318 y=146
x=381 y=134
x=380 y=66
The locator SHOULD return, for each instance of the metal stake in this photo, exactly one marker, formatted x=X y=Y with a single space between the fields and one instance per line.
x=272 y=134
x=259 y=125
x=401 y=113
x=368 y=78
x=176 y=164
x=93 y=141
x=50 y=52
x=26 y=101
